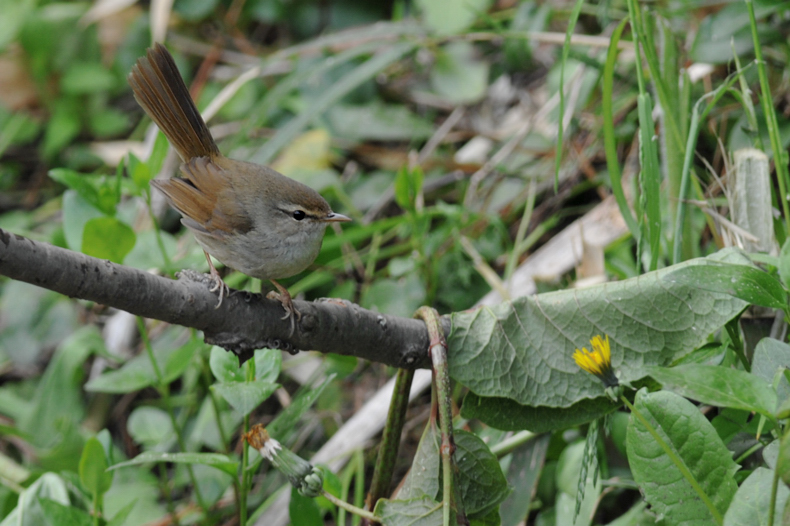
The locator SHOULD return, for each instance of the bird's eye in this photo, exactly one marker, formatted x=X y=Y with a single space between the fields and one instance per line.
x=299 y=215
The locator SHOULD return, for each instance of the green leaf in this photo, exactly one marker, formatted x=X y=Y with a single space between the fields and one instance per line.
x=245 y=396
x=28 y=510
x=87 y=77
x=423 y=477
x=77 y=211
x=100 y=191
x=225 y=366
x=150 y=426
x=753 y=500
x=64 y=125
x=569 y=470
x=93 y=468
x=134 y=375
x=14 y=14
x=139 y=172
x=58 y=394
x=214 y=460
x=458 y=75
x=448 y=17
x=523 y=349
x=719 y=386
x=303 y=510
x=138 y=372
x=108 y=238
x=180 y=359
x=523 y=474
x=57 y=513
x=107 y=122
x=408 y=187
x=508 y=415
x=741 y=281
x=480 y=480
x=268 y=363
x=119 y=519
x=691 y=436
x=64 y=447
x=771 y=356
x=415 y=512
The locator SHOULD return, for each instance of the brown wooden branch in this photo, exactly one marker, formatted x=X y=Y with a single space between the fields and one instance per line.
x=244 y=322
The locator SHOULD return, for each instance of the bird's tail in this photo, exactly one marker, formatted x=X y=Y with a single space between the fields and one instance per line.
x=161 y=91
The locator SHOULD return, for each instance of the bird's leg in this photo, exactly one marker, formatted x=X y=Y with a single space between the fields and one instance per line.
x=219 y=285
x=284 y=297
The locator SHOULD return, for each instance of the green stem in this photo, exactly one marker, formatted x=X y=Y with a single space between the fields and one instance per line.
x=165 y=485
x=96 y=509
x=246 y=476
x=746 y=454
x=388 y=450
x=164 y=392
x=345 y=484
x=359 y=484
x=508 y=445
x=245 y=456
x=350 y=507
x=774 y=489
x=677 y=461
x=443 y=399
x=775 y=486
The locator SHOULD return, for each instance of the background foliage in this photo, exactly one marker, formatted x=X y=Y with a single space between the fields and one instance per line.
x=435 y=125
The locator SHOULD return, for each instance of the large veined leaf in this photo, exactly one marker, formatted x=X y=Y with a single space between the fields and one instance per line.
x=522 y=350
x=696 y=444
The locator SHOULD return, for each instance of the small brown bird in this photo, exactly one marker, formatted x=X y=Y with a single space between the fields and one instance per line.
x=248 y=216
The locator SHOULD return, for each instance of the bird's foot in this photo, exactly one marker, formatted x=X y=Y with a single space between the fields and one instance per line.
x=284 y=297
x=218 y=285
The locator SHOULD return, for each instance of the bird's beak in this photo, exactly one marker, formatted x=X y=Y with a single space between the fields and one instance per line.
x=336 y=218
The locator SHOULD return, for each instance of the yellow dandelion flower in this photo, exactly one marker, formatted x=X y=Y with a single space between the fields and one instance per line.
x=597 y=362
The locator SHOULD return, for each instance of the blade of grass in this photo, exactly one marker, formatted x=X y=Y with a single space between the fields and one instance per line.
x=640 y=80
x=780 y=156
x=644 y=38
x=671 y=146
x=691 y=144
x=565 y=50
x=610 y=146
x=746 y=100
x=522 y=231
x=649 y=178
